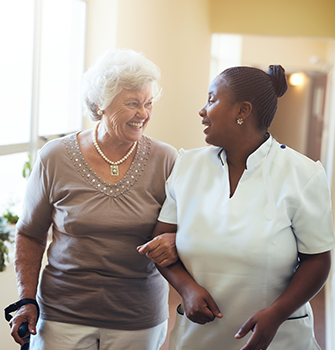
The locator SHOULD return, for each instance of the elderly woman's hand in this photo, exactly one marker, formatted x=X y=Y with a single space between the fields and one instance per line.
x=26 y=313
x=161 y=250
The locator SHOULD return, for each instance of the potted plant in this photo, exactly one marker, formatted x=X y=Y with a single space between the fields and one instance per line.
x=7 y=229
x=8 y=221
x=27 y=167
x=10 y=217
x=4 y=236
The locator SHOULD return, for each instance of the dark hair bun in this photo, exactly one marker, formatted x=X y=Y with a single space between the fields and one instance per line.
x=277 y=74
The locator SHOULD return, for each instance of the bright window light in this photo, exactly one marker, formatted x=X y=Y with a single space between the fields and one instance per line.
x=16 y=47
x=12 y=184
x=62 y=66
x=226 y=51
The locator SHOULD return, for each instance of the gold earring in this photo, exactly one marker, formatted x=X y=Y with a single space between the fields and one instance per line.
x=100 y=112
x=239 y=121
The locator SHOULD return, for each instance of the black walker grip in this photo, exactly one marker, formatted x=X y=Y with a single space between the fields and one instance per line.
x=23 y=331
x=25 y=346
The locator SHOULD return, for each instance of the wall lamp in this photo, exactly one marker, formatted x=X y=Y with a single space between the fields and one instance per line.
x=296 y=79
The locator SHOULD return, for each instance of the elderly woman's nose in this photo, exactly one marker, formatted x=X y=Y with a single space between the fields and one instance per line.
x=141 y=112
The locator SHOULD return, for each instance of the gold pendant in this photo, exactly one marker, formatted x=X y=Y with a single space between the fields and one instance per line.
x=114 y=170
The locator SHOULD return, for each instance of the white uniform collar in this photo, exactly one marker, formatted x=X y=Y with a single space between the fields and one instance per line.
x=259 y=154
x=255 y=157
x=254 y=160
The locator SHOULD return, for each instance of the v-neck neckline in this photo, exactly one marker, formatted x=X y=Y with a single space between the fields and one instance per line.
x=113 y=190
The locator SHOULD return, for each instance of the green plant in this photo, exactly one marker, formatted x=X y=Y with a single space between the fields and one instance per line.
x=10 y=217
x=27 y=166
x=4 y=236
x=3 y=256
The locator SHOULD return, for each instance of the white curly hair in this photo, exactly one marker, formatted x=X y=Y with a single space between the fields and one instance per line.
x=117 y=69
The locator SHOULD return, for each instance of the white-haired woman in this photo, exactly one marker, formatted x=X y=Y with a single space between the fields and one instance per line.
x=102 y=190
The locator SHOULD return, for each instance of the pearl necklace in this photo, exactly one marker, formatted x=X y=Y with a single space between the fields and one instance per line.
x=114 y=165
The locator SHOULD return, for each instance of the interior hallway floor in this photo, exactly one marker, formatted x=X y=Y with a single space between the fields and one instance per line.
x=318 y=305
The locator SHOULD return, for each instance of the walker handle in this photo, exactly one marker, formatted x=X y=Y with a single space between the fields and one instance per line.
x=23 y=330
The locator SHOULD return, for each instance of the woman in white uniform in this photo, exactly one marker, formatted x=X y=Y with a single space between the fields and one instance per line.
x=254 y=225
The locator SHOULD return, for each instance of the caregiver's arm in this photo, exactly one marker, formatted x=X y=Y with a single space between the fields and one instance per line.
x=309 y=278
x=198 y=304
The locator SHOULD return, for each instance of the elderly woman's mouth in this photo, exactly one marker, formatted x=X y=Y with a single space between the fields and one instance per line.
x=135 y=125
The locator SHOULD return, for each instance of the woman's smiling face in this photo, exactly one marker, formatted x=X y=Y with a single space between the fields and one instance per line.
x=219 y=114
x=129 y=113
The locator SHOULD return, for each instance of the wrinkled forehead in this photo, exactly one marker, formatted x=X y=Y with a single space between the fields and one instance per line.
x=145 y=89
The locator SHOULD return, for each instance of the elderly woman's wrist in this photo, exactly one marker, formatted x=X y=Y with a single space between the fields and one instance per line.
x=26 y=293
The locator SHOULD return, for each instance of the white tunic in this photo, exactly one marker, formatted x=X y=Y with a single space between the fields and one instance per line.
x=244 y=249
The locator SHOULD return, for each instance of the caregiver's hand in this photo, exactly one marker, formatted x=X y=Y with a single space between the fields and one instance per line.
x=264 y=325
x=161 y=250
x=199 y=305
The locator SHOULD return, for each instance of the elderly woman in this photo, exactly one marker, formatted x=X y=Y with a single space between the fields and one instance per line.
x=254 y=225
x=101 y=190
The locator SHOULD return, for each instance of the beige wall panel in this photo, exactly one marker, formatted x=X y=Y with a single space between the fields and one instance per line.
x=293 y=53
x=175 y=35
x=264 y=17
x=290 y=124
x=101 y=28
x=101 y=34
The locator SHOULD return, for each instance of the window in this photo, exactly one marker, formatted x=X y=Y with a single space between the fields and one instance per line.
x=41 y=65
x=16 y=47
x=62 y=65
